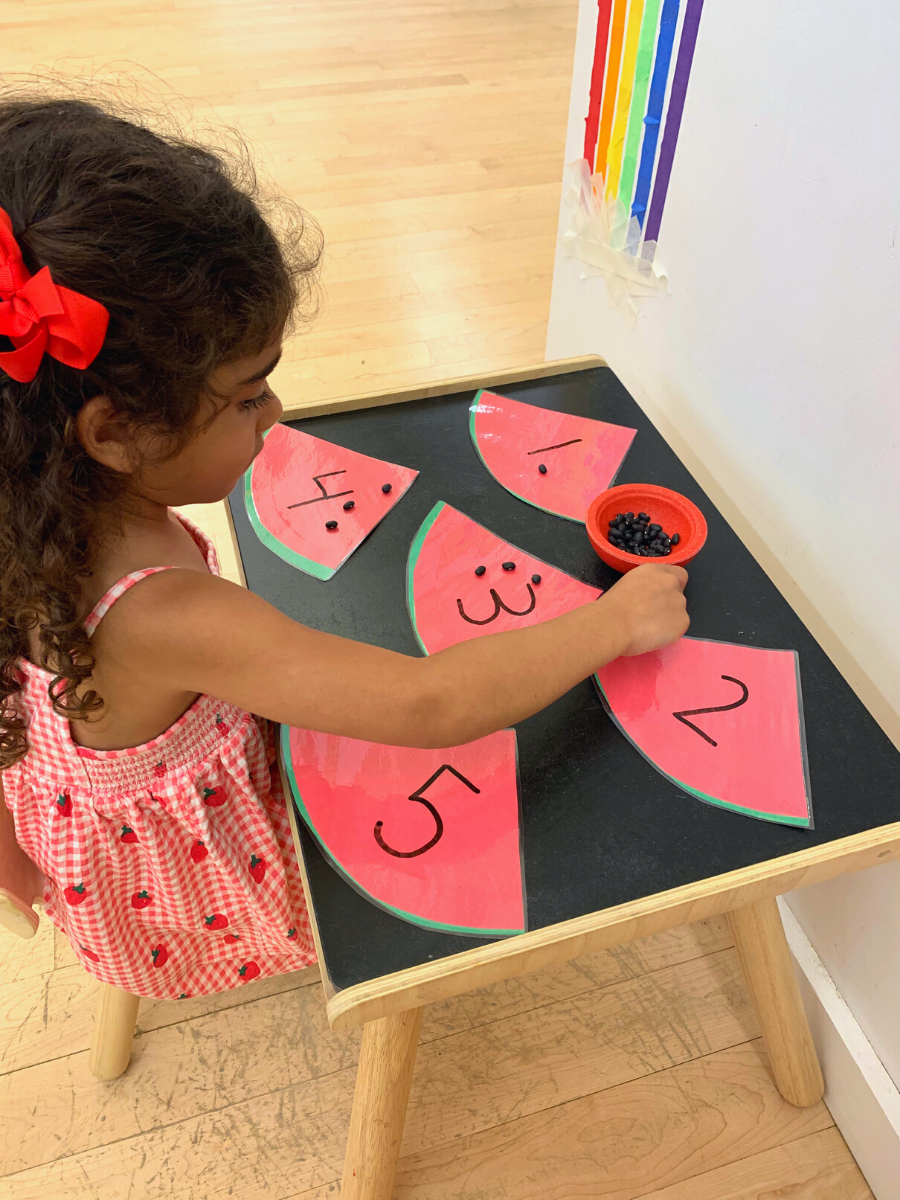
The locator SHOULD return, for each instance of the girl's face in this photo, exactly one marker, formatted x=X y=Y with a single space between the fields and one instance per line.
x=220 y=451
x=213 y=461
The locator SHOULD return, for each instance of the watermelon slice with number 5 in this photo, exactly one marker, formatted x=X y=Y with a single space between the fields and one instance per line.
x=462 y=582
x=553 y=460
x=432 y=836
x=312 y=502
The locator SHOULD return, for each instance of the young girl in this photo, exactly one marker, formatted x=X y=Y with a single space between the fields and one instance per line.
x=143 y=299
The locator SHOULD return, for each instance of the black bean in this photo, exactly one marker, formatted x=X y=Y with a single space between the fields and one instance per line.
x=655 y=528
x=386 y=487
x=535 y=579
x=620 y=516
x=508 y=566
x=676 y=538
x=629 y=516
x=614 y=523
x=542 y=468
x=348 y=504
x=643 y=517
x=331 y=524
x=480 y=570
x=638 y=538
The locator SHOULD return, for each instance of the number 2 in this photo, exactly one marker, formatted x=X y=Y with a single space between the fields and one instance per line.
x=696 y=712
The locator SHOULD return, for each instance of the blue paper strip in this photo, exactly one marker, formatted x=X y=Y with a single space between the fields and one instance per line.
x=665 y=42
x=680 y=77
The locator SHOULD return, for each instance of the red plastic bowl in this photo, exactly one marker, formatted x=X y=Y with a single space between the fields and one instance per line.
x=674 y=512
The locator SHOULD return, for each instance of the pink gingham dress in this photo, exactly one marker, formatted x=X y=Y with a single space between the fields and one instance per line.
x=169 y=866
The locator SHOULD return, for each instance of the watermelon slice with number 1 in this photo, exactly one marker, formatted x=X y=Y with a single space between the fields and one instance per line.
x=300 y=485
x=553 y=460
x=450 y=597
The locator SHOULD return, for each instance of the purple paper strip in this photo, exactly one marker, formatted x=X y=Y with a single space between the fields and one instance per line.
x=673 y=120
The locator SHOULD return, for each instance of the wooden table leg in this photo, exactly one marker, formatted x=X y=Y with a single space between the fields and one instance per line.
x=386 y=1063
x=113 y=1031
x=763 y=950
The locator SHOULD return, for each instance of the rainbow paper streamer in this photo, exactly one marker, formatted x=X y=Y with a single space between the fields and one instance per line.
x=642 y=63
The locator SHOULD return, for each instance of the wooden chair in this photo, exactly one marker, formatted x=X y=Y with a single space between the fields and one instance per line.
x=21 y=886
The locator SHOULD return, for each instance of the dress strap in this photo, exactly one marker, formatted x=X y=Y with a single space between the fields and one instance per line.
x=108 y=599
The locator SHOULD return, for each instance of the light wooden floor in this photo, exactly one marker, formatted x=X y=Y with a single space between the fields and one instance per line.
x=427 y=137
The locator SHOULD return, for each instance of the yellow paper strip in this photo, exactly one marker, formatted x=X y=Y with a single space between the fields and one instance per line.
x=623 y=100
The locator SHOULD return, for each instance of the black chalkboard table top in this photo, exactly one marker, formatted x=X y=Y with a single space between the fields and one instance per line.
x=613 y=850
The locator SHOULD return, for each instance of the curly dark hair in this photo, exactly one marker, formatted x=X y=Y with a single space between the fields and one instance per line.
x=170 y=236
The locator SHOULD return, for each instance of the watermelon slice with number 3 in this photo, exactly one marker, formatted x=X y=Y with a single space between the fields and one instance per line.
x=451 y=598
x=300 y=485
x=724 y=722
x=553 y=460
x=432 y=836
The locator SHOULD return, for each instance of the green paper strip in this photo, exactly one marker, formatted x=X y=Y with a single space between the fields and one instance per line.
x=638 y=100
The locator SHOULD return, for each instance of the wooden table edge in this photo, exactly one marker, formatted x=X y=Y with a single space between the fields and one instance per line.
x=540 y=948
x=444 y=387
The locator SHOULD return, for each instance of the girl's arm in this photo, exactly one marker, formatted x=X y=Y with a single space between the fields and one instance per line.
x=189 y=632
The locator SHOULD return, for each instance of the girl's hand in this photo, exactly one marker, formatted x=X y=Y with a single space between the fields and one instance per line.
x=650 y=607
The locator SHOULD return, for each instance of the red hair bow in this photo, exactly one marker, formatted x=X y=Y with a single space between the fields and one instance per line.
x=38 y=316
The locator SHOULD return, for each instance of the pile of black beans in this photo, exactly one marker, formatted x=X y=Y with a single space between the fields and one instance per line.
x=639 y=535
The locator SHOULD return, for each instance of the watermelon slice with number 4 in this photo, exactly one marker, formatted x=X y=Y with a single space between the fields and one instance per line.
x=432 y=836
x=464 y=582
x=553 y=460
x=312 y=502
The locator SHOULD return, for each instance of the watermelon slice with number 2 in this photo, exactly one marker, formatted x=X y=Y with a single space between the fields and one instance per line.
x=432 y=836
x=579 y=456
x=449 y=602
x=724 y=722
x=300 y=484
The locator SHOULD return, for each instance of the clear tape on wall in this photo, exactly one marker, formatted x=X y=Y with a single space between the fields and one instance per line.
x=606 y=241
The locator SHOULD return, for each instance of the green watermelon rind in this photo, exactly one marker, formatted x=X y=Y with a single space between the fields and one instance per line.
x=411 y=561
x=268 y=539
x=798 y=822
x=473 y=409
x=422 y=922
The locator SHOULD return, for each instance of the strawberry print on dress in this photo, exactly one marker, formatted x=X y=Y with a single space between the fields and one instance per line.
x=135 y=857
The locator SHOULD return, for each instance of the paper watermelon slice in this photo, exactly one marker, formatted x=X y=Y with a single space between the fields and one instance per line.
x=300 y=483
x=449 y=603
x=580 y=456
x=723 y=722
x=432 y=836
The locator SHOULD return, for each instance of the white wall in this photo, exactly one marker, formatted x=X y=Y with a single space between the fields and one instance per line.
x=772 y=365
